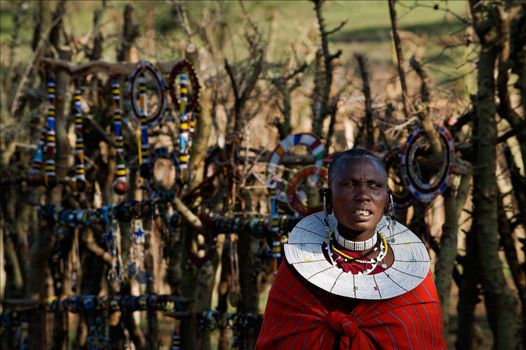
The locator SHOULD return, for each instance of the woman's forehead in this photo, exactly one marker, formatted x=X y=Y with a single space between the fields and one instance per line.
x=361 y=169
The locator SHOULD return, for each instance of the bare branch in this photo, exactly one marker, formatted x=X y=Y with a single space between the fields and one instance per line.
x=399 y=55
x=340 y=26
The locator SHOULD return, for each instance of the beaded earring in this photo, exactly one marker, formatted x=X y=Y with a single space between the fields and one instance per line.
x=391 y=216
x=327 y=207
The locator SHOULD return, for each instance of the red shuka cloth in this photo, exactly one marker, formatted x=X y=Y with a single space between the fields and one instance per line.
x=300 y=315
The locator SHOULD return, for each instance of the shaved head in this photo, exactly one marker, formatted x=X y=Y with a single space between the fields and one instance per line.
x=340 y=161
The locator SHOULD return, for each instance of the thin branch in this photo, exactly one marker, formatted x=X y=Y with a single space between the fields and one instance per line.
x=399 y=55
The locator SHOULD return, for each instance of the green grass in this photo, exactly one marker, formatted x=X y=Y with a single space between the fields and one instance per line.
x=367 y=29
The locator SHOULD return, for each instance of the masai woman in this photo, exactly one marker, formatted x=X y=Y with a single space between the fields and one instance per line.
x=353 y=277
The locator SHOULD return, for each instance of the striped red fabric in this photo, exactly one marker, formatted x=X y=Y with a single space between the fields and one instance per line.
x=301 y=316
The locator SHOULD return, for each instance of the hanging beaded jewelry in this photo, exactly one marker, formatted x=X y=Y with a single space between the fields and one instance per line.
x=50 y=178
x=120 y=184
x=187 y=105
x=136 y=253
x=274 y=227
x=113 y=240
x=144 y=149
x=147 y=118
x=35 y=174
x=80 y=175
x=391 y=216
x=176 y=336
x=184 y=133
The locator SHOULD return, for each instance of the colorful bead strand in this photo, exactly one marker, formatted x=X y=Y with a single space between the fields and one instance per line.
x=35 y=174
x=274 y=227
x=80 y=175
x=120 y=184
x=143 y=103
x=184 y=121
x=176 y=336
x=50 y=178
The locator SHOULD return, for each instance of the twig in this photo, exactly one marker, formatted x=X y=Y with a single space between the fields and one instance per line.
x=30 y=66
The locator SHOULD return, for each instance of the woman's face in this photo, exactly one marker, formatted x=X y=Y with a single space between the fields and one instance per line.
x=359 y=197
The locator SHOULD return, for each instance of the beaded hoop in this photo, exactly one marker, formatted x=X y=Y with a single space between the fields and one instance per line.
x=311 y=141
x=422 y=190
x=292 y=194
x=142 y=68
x=158 y=190
x=178 y=69
x=141 y=111
x=315 y=148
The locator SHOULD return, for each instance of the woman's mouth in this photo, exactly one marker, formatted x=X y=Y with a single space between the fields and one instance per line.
x=362 y=214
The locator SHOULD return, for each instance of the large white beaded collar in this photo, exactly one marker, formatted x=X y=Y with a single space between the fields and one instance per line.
x=410 y=267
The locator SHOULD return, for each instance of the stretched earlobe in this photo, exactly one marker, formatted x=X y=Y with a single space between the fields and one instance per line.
x=327 y=203
x=391 y=215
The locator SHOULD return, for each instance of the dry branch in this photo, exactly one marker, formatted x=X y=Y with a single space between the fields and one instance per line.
x=423 y=110
x=323 y=110
x=399 y=55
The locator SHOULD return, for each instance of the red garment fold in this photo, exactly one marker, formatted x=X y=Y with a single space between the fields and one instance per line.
x=301 y=316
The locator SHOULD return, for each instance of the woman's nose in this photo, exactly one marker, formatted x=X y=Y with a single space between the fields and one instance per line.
x=362 y=192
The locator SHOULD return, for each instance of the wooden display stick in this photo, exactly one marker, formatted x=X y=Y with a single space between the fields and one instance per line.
x=109 y=68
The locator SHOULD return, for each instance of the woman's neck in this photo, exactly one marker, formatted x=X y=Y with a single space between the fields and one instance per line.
x=354 y=235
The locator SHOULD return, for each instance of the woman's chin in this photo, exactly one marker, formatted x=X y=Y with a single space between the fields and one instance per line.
x=357 y=229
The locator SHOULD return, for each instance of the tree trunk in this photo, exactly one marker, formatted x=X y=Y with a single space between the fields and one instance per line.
x=130 y=32
x=468 y=295
x=249 y=304
x=447 y=256
x=485 y=196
